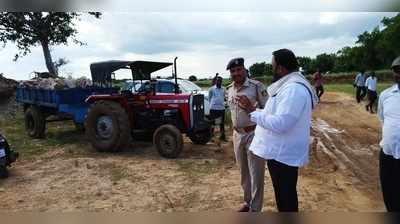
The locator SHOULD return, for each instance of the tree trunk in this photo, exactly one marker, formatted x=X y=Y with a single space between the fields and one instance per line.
x=47 y=57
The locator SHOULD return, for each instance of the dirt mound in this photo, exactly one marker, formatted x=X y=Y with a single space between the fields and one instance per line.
x=7 y=87
x=8 y=106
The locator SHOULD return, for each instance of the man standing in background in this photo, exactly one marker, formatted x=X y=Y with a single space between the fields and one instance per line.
x=216 y=96
x=389 y=159
x=371 y=85
x=359 y=84
x=318 y=84
x=252 y=168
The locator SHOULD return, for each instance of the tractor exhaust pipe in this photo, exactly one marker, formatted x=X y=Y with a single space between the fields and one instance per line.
x=176 y=77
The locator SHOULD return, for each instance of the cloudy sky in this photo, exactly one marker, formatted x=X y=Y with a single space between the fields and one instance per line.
x=203 y=41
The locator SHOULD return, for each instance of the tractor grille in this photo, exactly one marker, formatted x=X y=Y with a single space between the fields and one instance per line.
x=198 y=109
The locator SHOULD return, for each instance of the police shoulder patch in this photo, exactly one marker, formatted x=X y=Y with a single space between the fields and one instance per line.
x=264 y=92
x=254 y=82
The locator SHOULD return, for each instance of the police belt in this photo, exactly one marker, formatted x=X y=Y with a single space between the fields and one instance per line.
x=247 y=129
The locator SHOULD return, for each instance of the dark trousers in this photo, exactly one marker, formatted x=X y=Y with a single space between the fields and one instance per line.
x=284 y=180
x=214 y=114
x=389 y=171
x=319 y=90
x=360 y=93
x=372 y=96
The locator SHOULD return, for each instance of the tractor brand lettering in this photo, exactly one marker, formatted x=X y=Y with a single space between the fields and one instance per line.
x=173 y=105
x=168 y=101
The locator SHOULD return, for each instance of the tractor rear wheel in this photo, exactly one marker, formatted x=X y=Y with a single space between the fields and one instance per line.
x=35 y=122
x=168 y=141
x=201 y=137
x=107 y=126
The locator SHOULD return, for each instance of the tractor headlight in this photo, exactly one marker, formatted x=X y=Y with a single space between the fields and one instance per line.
x=168 y=113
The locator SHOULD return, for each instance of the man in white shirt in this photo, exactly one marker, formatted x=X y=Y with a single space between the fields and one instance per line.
x=389 y=160
x=371 y=85
x=283 y=127
x=216 y=96
x=359 y=84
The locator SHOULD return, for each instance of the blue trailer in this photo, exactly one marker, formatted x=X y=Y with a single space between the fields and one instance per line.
x=43 y=105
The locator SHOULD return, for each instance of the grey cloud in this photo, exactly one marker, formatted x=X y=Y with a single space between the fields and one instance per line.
x=203 y=41
x=160 y=33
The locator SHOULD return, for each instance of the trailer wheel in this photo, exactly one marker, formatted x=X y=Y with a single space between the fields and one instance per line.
x=35 y=122
x=107 y=126
x=168 y=141
x=201 y=137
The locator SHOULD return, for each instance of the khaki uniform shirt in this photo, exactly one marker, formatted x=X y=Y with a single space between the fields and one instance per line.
x=257 y=94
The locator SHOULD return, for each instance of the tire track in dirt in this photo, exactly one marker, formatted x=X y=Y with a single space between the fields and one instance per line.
x=349 y=136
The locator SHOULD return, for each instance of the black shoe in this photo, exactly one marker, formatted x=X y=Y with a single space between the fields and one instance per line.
x=244 y=208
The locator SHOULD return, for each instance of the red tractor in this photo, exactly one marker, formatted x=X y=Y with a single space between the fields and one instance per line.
x=113 y=119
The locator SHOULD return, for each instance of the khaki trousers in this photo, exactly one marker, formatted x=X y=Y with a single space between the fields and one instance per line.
x=252 y=170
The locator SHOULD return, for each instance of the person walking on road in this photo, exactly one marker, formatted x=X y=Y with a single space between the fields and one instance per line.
x=389 y=159
x=319 y=84
x=252 y=168
x=359 y=84
x=216 y=96
x=282 y=135
x=371 y=85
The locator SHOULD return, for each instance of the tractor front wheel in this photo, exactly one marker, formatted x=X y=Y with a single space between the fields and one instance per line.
x=201 y=137
x=107 y=126
x=168 y=141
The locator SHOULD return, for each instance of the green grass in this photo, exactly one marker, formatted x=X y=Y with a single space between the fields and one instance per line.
x=349 y=89
x=194 y=171
x=332 y=78
x=115 y=172
x=208 y=83
x=58 y=134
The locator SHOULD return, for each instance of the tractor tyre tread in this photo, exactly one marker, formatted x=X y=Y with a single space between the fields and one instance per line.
x=118 y=114
x=176 y=133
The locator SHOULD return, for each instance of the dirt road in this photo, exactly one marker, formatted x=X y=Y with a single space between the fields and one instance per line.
x=341 y=176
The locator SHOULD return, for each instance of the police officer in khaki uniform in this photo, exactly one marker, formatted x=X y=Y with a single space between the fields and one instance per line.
x=252 y=168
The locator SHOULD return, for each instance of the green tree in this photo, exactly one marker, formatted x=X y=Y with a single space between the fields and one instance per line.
x=306 y=64
x=371 y=53
x=29 y=29
x=325 y=62
x=390 y=41
x=257 y=69
x=260 y=69
x=192 y=78
x=348 y=59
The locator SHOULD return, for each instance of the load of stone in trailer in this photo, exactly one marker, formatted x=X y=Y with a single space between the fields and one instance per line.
x=56 y=83
x=7 y=86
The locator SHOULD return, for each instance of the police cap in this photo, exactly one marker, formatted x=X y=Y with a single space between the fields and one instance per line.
x=235 y=62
